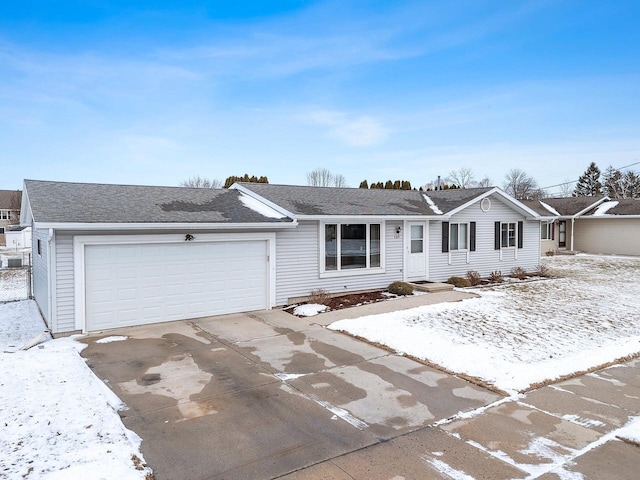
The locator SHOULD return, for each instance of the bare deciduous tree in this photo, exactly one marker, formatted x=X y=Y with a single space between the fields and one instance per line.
x=566 y=190
x=463 y=178
x=520 y=185
x=485 y=182
x=201 y=182
x=340 y=181
x=14 y=207
x=322 y=177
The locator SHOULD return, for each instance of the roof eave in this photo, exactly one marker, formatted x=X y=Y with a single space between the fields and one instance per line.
x=165 y=226
x=495 y=190
x=608 y=216
x=370 y=217
x=26 y=215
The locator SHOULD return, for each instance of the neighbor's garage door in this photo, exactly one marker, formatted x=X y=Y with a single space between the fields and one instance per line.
x=148 y=283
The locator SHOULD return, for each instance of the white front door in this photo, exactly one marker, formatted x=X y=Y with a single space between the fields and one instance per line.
x=416 y=250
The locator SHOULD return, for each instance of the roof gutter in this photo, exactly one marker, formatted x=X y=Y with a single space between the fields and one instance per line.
x=372 y=217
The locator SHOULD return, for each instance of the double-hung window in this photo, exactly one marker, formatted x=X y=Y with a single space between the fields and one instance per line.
x=546 y=231
x=349 y=246
x=508 y=237
x=458 y=236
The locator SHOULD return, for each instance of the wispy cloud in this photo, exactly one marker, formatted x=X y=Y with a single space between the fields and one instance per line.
x=354 y=130
x=331 y=35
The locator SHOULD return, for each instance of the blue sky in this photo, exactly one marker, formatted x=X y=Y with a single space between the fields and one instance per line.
x=102 y=91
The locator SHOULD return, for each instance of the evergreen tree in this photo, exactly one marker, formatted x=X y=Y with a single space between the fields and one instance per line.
x=589 y=182
x=631 y=181
x=364 y=184
x=245 y=178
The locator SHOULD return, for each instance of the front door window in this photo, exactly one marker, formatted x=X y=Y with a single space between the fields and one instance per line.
x=417 y=238
x=562 y=233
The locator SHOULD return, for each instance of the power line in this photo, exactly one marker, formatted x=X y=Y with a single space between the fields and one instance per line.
x=576 y=181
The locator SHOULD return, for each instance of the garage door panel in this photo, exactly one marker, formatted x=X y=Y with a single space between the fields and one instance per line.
x=149 y=283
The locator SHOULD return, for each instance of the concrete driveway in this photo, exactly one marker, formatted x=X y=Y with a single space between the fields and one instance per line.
x=262 y=395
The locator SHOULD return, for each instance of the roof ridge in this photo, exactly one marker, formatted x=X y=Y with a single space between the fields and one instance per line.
x=119 y=184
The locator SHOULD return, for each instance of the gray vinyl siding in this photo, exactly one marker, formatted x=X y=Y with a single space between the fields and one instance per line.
x=485 y=259
x=298 y=264
x=41 y=272
x=64 y=305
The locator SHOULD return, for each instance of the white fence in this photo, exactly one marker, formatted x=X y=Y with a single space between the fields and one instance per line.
x=15 y=284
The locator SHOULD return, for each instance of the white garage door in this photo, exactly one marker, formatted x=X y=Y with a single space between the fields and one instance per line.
x=148 y=283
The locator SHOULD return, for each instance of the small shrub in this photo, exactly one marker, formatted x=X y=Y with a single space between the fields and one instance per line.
x=474 y=277
x=496 y=277
x=459 y=282
x=401 y=288
x=519 y=273
x=319 y=296
x=542 y=271
x=550 y=253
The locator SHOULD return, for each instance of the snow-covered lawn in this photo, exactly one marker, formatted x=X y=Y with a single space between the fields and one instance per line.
x=517 y=335
x=58 y=420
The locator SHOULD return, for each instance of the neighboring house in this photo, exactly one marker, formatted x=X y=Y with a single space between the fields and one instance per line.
x=595 y=225
x=18 y=237
x=9 y=210
x=107 y=256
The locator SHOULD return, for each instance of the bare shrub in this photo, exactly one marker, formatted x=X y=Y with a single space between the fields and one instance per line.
x=400 y=288
x=519 y=273
x=542 y=271
x=319 y=296
x=474 y=277
x=459 y=282
x=496 y=277
x=550 y=252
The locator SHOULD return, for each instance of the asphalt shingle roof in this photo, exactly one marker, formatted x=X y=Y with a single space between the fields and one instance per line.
x=571 y=205
x=7 y=199
x=626 y=206
x=305 y=200
x=100 y=203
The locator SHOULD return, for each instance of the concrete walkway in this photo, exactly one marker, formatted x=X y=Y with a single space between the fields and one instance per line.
x=269 y=395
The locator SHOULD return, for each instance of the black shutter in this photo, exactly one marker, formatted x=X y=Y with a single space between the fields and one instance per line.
x=445 y=237
x=496 y=241
x=520 y=234
x=472 y=236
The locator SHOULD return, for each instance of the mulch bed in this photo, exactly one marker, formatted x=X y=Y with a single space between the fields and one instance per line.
x=351 y=300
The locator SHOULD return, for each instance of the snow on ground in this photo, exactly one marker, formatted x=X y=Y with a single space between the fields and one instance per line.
x=20 y=322
x=519 y=334
x=13 y=284
x=309 y=309
x=59 y=422
x=631 y=431
x=113 y=338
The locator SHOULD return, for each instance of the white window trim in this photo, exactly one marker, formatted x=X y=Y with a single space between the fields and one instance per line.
x=515 y=245
x=467 y=239
x=351 y=271
x=546 y=226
